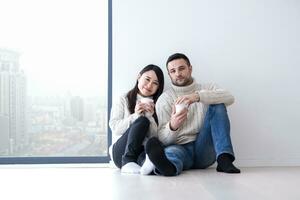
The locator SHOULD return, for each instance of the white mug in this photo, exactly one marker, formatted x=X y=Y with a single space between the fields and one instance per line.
x=147 y=101
x=180 y=107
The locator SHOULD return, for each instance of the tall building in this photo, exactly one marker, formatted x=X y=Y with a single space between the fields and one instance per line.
x=77 y=108
x=12 y=99
x=90 y=109
x=4 y=135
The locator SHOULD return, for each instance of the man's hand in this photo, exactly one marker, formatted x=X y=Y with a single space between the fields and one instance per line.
x=188 y=99
x=177 y=119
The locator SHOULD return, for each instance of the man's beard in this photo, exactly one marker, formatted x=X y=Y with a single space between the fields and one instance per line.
x=183 y=83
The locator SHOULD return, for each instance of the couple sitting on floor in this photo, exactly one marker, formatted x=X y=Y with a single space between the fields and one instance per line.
x=184 y=127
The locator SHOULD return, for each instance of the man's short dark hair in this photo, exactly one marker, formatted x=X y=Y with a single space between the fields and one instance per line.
x=176 y=56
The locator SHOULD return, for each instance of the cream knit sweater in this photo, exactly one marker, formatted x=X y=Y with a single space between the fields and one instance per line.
x=209 y=94
x=121 y=119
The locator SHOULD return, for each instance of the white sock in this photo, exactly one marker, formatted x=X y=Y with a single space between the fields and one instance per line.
x=131 y=168
x=147 y=167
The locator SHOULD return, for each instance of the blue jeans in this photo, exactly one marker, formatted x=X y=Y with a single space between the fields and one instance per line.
x=212 y=140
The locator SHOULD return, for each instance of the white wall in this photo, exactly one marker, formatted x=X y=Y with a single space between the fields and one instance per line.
x=251 y=48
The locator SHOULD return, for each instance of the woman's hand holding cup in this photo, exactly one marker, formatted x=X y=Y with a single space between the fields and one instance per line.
x=148 y=106
x=139 y=107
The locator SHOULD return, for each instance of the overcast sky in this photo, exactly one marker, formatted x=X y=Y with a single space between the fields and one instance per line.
x=63 y=44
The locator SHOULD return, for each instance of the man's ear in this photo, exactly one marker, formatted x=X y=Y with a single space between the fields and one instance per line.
x=168 y=71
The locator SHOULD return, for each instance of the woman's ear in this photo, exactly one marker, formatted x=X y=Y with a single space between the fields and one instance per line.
x=138 y=77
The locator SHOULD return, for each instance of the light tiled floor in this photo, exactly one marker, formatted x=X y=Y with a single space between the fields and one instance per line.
x=276 y=183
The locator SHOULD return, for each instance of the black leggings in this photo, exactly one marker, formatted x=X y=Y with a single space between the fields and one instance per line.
x=129 y=147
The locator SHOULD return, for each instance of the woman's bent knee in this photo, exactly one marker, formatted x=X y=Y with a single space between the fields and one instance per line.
x=143 y=120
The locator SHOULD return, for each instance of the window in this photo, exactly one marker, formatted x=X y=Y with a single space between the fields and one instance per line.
x=55 y=80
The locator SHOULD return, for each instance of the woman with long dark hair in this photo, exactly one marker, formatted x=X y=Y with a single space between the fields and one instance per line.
x=133 y=120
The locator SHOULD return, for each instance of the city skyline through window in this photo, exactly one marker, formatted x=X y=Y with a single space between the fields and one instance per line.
x=53 y=78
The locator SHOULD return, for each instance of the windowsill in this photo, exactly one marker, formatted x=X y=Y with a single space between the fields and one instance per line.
x=83 y=165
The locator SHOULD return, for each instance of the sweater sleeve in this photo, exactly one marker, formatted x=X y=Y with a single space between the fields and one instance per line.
x=163 y=111
x=119 y=122
x=213 y=94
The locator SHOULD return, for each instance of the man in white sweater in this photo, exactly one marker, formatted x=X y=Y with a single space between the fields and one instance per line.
x=194 y=129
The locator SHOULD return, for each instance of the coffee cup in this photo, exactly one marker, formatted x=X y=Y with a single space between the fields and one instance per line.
x=180 y=107
x=147 y=101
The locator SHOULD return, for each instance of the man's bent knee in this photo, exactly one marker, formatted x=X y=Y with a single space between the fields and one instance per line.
x=218 y=108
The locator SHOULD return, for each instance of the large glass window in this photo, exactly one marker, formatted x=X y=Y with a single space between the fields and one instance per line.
x=54 y=80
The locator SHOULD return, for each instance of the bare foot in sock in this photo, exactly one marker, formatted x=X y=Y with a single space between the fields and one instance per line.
x=131 y=168
x=225 y=164
x=231 y=169
x=147 y=167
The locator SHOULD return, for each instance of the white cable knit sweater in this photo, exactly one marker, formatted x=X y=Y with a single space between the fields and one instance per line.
x=209 y=94
x=121 y=119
